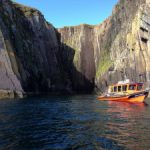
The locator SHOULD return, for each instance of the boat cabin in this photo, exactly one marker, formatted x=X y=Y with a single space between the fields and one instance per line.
x=126 y=88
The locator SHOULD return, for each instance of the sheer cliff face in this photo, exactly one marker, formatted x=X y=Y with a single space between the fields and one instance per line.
x=119 y=46
x=28 y=51
x=35 y=57
x=80 y=40
x=32 y=58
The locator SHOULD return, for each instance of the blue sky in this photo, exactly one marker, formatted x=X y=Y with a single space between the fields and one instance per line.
x=72 y=12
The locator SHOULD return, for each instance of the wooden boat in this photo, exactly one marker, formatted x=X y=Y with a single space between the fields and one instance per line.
x=125 y=91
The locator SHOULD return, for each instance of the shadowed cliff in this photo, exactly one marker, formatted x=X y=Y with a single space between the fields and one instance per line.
x=33 y=60
x=78 y=80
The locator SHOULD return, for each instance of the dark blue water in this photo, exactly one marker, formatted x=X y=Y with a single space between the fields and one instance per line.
x=73 y=122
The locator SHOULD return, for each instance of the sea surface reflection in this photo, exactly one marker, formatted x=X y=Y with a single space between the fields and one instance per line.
x=73 y=122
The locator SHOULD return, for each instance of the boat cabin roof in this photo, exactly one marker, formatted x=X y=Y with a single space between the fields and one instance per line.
x=127 y=82
x=131 y=83
x=130 y=87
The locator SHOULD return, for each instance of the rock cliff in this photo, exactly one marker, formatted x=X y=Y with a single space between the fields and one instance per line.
x=119 y=46
x=32 y=58
x=29 y=52
x=35 y=57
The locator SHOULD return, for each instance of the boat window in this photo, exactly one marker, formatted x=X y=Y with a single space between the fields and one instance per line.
x=119 y=88
x=132 y=87
x=124 y=88
x=139 y=87
x=115 y=88
x=112 y=89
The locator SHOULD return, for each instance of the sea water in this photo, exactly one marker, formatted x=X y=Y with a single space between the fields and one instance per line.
x=79 y=122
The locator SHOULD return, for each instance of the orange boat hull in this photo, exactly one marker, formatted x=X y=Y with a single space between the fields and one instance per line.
x=135 y=98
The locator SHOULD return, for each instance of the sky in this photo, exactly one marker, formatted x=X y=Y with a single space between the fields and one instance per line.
x=72 y=12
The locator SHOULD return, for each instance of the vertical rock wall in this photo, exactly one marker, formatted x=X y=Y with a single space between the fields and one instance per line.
x=120 y=45
x=80 y=40
x=35 y=57
x=29 y=51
